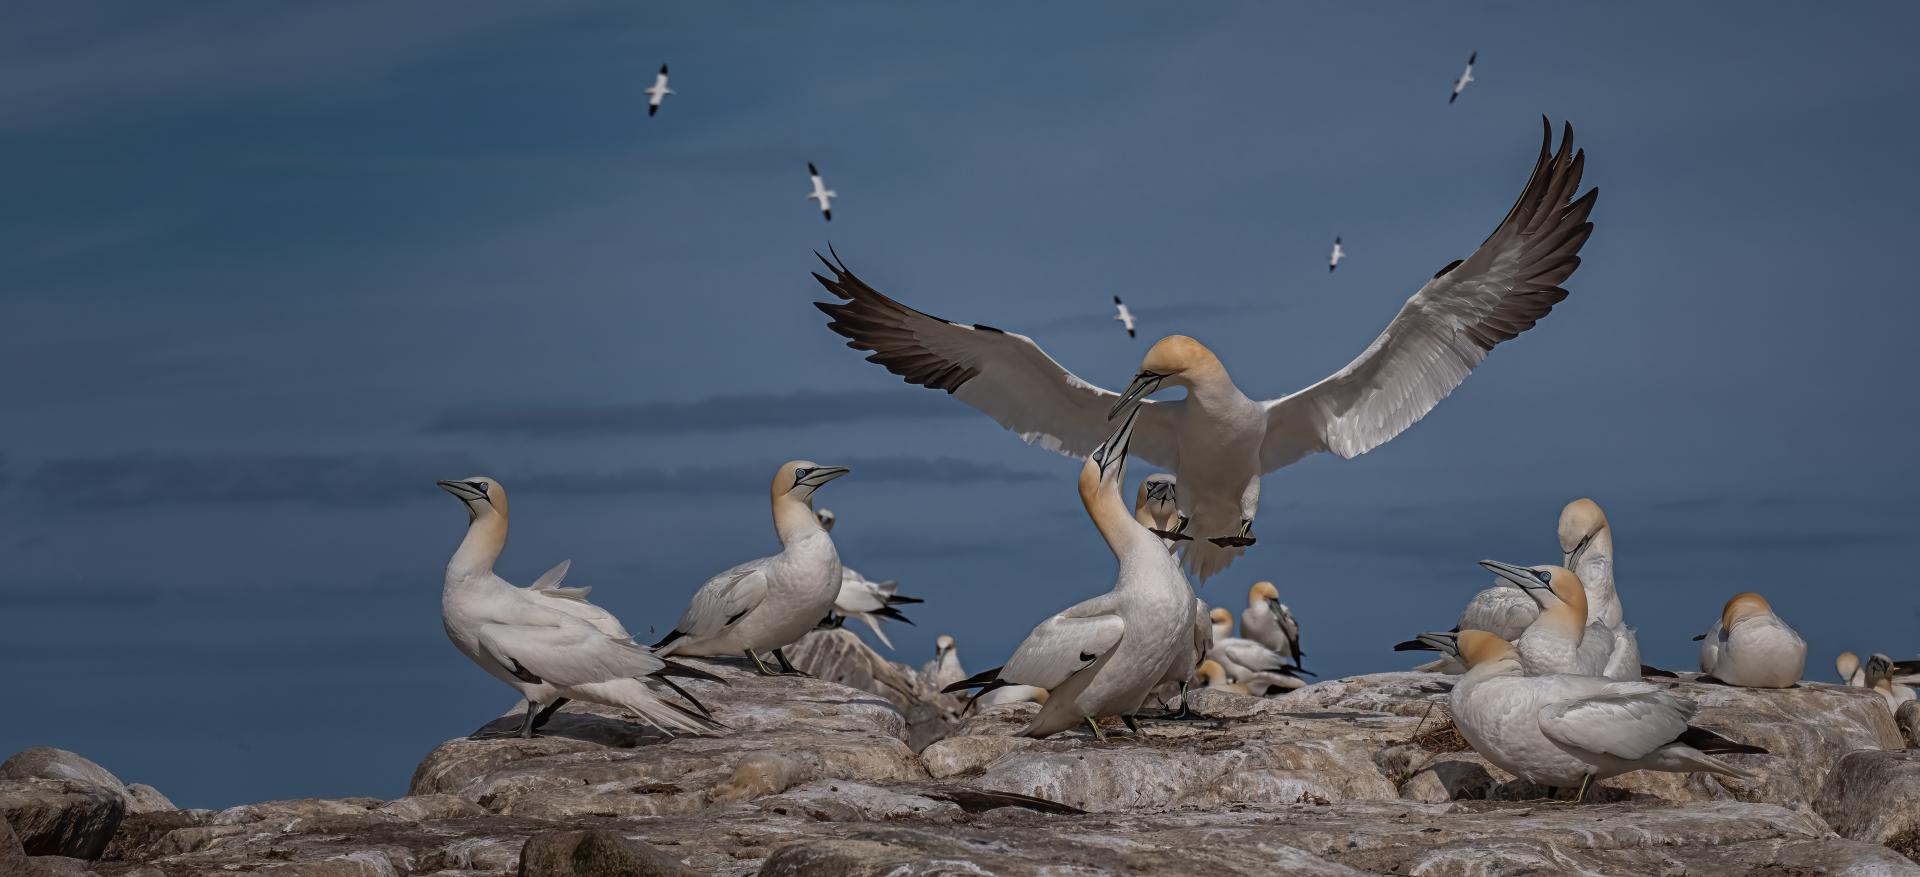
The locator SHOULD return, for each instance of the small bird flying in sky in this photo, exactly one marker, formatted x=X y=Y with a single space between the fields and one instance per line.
x=1123 y=315
x=1466 y=76
x=658 y=92
x=1333 y=261
x=821 y=193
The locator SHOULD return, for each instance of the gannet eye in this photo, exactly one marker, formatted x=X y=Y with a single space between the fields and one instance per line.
x=800 y=474
x=1546 y=578
x=478 y=485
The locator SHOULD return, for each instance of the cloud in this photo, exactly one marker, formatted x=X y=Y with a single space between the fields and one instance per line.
x=131 y=481
x=712 y=414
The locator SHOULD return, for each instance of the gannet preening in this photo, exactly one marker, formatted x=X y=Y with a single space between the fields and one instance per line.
x=1247 y=661
x=1560 y=639
x=1103 y=656
x=1215 y=676
x=1333 y=261
x=658 y=93
x=769 y=603
x=821 y=193
x=1466 y=76
x=1562 y=730
x=1879 y=677
x=1586 y=547
x=546 y=641
x=1850 y=670
x=1217 y=440
x=1123 y=315
x=944 y=669
x=1268 y=622
x=1751 y=647
x=864 y=598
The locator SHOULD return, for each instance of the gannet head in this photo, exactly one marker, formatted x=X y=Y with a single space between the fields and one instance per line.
x=1549 y=586
x=800 y=478
x=1222 y=622
x=825 y=517
x=1211 y=671
x=1580 y=521
x=483 y=496
x=1176 y=360
x=942 y=646
x=1477 y=647
x=1879 y=670
x=1156 y=495
x=1847 y=664
x=1743 y=606
x=1262 y=592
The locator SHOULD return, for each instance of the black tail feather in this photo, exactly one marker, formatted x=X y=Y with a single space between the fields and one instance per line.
x=670 y=637
x=977 y=680
x=1714 y=744
x=1650 y=670
x=890 y=612
x=902 y=600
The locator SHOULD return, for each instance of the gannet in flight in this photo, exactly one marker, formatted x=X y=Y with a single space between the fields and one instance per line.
x=1123 y=315
x=821 y=193
x=1880 y=677
x=944 y=669
x=1217 y=440
x=1561 y=730
x=659 y=91
x=1268 y=622
x=1333 y=261
x=1103 y=656
x=546 y=641
x=864 y=598
x=1751 y=647
x=1466 y=76
x=769 y=603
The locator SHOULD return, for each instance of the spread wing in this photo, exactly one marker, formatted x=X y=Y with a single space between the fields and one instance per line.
x=1003 y=374
x=1630 y=720
x=568 y=653
x=1446 y=329
x=724 y=598
x=1065 y=644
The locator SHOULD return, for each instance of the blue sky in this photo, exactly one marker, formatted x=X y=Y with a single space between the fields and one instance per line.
x=272 y=270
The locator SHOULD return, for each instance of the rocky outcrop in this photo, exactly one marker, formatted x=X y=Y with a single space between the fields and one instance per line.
x=596 y=853
x=1875 y=797
x=61 y=817
x=45 y=763
x=1908 y=721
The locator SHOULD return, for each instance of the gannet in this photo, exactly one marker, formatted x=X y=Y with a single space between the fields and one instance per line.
x=1154 y=509
x=548 y=642
x=1879 y=677
x=1466 y=76
x=659 y=91
x=1586 y=547
x=864 y=598
x=944 y=669
x=1010 y=694
x=821 y=193
x=1216 y=677
x=1246 y=660
x=1333 y=261
x=1560 y=639
x=1751 y=647
x=1269 y=622
x=1562 y=730
x=1123 y=315
x=769 y=603
x=1850 y=670
x=1217 y=440
x=1103 y=656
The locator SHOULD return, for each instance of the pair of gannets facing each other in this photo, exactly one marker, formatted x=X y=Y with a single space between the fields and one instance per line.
x=1260 y=668
x=1751 y=647
x=770 y=603
x=1217 y=439
x=1103 y=656
x=864 y=598
x=1564 y=730
x=547 y=641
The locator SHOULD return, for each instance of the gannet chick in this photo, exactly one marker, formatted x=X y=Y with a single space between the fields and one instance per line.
x=1244 y=659
x=1216 y=439
x=1560 y=640
x=944 y=669
x=1103 y=656
x=1751 y=647
x=548 y=642
x=1466 y=76
x=1561 y=730
x=821 y=193
x=1216 y=677
x=864 y=598
x=769 y=603
x=1879 y=677
x=659 y=91
x=1268 y=622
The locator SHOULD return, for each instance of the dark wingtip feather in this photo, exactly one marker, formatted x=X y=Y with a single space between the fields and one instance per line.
x=984 y=677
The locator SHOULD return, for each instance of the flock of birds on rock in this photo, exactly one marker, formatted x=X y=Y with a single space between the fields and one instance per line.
x=1551 y=686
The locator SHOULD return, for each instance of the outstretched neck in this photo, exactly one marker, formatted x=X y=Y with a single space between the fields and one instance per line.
x=794 y=520
x=486 y=538
x=1110 y=515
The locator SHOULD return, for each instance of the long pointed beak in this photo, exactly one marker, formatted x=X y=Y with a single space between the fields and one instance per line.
x=1143 y=384
x=1518 y=576
x=1114 y=450
x=460 y=490
x=825 y=474
x=1445 y=643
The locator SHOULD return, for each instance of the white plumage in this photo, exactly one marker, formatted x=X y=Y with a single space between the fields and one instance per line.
x=1750 y=646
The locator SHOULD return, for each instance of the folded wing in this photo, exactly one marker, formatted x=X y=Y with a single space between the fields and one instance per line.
x=1628 y=720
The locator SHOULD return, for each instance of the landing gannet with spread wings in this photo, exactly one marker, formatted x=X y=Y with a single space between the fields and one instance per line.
x=658 y=93
x=769 y=603
x=1751 y=647
x=546 y=641
x=1333 y=261
x=1123 y=315
x=1466 y=76
x=821 y=193
x=1216 y=440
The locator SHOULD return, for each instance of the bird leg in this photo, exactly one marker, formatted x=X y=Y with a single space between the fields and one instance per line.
x=788 y=666
x=760 y=665
x=526 y=728
x=540 y=721
x=1132 y=724
x=1097 y=733
x=1244 y=539
x=1185 y=711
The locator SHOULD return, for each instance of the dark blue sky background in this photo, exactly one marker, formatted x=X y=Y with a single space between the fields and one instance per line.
x=271 y=270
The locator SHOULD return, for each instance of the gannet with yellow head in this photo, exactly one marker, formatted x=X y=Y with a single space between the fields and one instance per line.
x=1880 y=671
x=769 y=603
x=1217 y=440
x=1560 y=639
x=1269 y=622
x=1751 y=647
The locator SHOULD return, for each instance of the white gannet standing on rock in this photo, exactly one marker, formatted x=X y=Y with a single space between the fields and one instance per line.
x=1270 y=623
x=1123 y=315
x=1103 y=656
x=769 y=603
x=1561 y=730
x=1155 y=509
x=1466 y=76
x=1333 y=261
x=1560 y=639
x=1880 y=677
x=548 y=642
x=864 y=598
x=821 y=193
x=944 y=669
x=1751 y=647
x=1216 y=439
x=658 y=93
